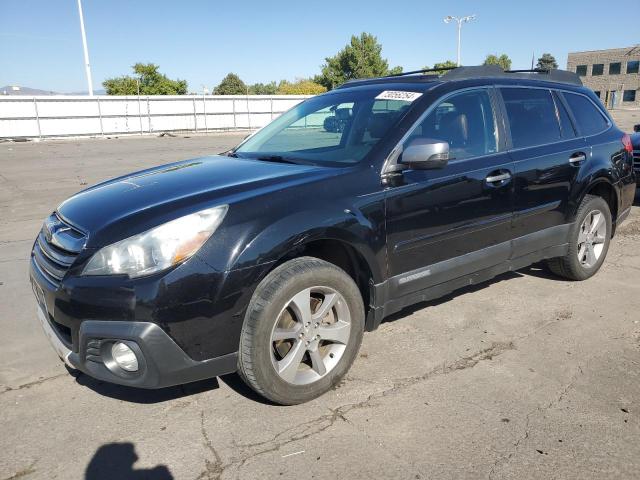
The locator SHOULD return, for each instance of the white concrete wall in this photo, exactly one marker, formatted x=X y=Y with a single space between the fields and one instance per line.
x=58 y=116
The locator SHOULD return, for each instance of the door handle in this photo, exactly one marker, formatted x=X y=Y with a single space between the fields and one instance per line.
x=498 y=178
x=577 y=158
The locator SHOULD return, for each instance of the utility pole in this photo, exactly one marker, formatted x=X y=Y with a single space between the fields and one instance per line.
x=459 y=21
x=87 y=67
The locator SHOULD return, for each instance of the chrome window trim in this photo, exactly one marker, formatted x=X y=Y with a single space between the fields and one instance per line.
x=392 y=158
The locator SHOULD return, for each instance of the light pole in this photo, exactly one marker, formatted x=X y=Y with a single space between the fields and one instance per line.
x=87 y=67
x=460 y=21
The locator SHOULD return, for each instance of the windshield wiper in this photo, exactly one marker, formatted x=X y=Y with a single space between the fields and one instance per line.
x=276 y=158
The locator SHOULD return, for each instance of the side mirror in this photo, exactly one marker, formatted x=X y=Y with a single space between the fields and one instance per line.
x=426 y=154
x=636 y=128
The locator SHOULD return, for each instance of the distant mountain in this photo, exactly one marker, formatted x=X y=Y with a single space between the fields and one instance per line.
x=20 y=90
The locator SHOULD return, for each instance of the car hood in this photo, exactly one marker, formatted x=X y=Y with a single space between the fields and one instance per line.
x=127 y=205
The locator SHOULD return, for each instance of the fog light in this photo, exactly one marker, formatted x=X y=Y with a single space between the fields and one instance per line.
x=124 y=357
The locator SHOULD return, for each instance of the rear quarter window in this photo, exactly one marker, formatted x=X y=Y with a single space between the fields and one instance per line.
x=589 y=118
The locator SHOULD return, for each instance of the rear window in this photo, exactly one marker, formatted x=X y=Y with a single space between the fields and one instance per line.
x=532 y=116
x=590 y=119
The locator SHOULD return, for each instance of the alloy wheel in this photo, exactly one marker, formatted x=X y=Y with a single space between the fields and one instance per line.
x=591 y=238
x=310 y=335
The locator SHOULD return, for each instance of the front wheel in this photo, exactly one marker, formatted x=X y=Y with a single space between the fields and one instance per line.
x=301 y=332
x=588 y=241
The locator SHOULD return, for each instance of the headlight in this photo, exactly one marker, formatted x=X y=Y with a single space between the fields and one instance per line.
x=158 y=248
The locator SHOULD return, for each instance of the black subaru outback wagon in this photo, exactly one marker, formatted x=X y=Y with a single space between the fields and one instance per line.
x=273 y=258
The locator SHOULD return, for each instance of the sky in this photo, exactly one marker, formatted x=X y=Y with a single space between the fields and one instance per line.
x=261 y=40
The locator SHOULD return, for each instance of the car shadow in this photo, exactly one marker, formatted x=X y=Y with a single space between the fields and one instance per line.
x=116 y=460
x=235 y=383
x=141 y=395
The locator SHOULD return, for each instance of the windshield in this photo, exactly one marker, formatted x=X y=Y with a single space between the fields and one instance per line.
x=333 y=129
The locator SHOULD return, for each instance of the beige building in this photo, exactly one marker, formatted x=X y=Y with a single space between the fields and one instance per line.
x=613 y=74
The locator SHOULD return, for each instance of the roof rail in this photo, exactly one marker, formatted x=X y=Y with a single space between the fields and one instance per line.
x=423 y=70
x=477 y=71
x=552 y=75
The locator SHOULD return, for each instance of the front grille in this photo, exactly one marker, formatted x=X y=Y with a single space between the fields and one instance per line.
x=56 y=248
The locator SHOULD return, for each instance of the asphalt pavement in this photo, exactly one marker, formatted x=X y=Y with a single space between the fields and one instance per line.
x=526 y=376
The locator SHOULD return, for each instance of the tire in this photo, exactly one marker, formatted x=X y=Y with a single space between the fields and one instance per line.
x=577 y=263
x=276 y=330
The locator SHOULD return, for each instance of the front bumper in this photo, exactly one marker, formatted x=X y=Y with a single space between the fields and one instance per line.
x=161 y=362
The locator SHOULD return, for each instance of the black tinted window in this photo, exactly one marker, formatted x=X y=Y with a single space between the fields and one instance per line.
x=598 y=69
x=589 y=118
x=465 y=121
x=633 y=66
x=581 y=70
x=614 y=68
x=532 y=116
x=629 y=96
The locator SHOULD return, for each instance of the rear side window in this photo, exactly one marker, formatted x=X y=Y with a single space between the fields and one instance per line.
x=590 y=119
x=532 y=116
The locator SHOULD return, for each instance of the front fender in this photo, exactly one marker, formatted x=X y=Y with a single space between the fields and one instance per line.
x=278 y=239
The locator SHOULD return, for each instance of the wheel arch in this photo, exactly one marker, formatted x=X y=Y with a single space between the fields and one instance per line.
x=604 y=188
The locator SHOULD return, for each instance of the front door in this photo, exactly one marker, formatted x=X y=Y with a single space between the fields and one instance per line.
x=446 y=223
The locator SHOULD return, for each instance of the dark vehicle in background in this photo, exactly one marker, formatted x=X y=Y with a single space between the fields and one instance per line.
x=274 y=258
x=635 y=141
x=339 y=121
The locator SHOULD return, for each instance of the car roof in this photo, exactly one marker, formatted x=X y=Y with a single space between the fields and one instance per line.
x=490 y=73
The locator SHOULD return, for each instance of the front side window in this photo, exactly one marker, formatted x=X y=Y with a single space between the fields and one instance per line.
x=598 y=69
x=615 y=68
x=532 y=116
x=465 y=121
x=633 y=66
x=581 y=70
x=629 y=96
x=338 y=128
x=590 y=119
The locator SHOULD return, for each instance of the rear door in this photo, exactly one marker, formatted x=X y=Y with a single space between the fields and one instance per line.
x=443 y=224
x=547 y=155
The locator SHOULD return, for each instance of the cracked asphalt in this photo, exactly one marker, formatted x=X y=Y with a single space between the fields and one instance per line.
x=527 y=376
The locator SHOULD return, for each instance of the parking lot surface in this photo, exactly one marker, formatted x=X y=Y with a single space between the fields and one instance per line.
x=527 y=376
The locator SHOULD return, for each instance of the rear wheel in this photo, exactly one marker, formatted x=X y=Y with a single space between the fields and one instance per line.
x=302 y=331
x=588 y=241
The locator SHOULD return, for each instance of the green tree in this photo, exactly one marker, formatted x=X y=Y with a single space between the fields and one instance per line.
x=300 y=87
x=231 y=85
x=151 y=82
x=361 y=58
x=503 y=61
x=263 y=88
x=547 y=62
